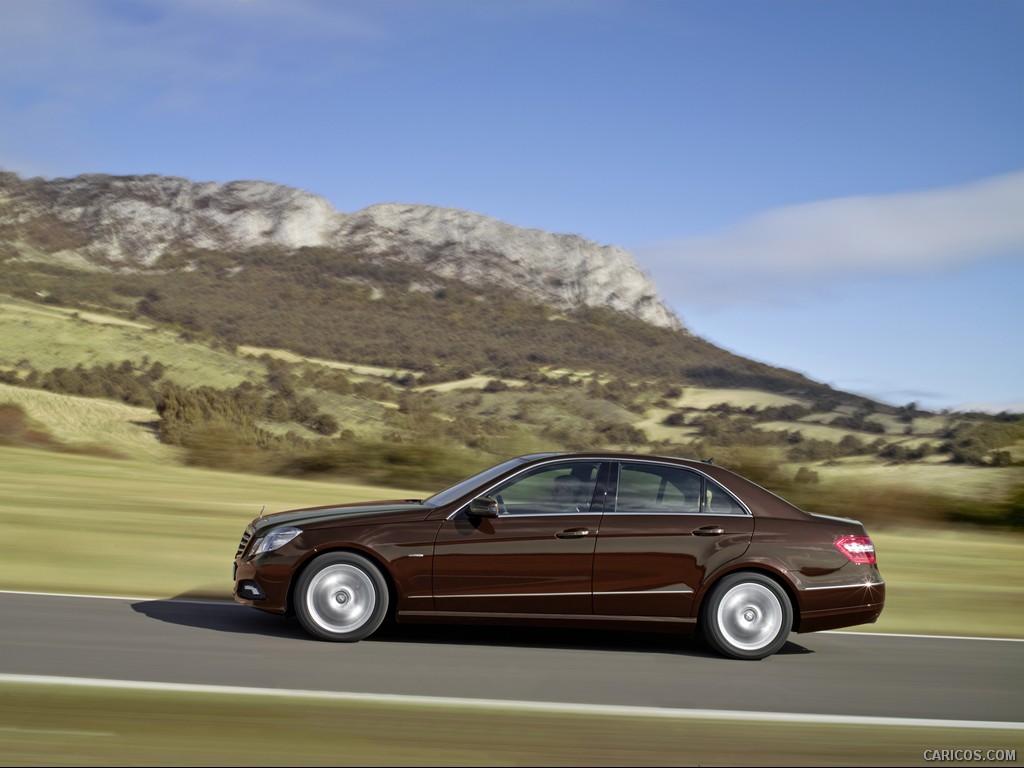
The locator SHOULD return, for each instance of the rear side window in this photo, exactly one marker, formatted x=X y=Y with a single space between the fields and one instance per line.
x=654 y=488
x=718 y=501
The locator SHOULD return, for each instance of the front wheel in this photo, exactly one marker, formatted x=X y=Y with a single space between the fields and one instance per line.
x=747 y=616
x=342 y=597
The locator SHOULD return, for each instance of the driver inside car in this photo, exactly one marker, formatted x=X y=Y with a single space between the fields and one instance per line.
x=567 y=494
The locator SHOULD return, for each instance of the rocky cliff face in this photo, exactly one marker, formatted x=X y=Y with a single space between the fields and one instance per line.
x=99 y=221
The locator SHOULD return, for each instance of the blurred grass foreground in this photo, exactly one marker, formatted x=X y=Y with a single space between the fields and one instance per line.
x=86 y=524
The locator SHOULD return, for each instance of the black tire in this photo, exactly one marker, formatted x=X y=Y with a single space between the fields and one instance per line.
x=342 y=597
x=747 y=616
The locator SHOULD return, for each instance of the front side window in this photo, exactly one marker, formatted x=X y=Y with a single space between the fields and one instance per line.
x=465 y=486
x=564 y=488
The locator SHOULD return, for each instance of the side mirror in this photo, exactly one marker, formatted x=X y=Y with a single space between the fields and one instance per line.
x=483 y=507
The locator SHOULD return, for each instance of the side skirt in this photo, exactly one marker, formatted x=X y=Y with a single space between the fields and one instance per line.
x=686 y=625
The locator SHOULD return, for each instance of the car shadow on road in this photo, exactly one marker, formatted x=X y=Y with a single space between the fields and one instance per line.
x=223 y=616
x=219 y=616
x=564 y=638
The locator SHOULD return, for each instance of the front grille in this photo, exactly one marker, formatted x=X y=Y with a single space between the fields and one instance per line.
x=249 y=531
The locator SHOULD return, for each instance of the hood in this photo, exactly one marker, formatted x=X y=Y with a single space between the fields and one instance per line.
x=358 y=513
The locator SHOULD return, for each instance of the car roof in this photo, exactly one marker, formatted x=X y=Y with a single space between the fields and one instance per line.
x=753 y=494
x=616 y=456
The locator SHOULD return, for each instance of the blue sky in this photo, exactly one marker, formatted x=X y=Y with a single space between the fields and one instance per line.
x=835 y=187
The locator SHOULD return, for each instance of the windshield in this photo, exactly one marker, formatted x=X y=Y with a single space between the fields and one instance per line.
x=460 y=489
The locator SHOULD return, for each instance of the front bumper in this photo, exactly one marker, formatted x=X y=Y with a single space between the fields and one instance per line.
x=265 y=588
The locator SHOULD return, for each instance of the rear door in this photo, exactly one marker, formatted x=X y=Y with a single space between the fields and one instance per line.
x=663 y=529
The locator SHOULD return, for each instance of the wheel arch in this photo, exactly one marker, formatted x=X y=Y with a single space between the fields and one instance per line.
x=763 y=569
x=369 y=555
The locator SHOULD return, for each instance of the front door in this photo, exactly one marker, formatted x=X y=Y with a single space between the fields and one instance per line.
x=537 y=556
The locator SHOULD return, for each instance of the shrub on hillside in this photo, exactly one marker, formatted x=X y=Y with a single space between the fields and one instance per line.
x=184 y=411
x=620 y=433
x=983 y=442
x=220 y=445
x=677 y=419
x=400 y=465
x=124 y=382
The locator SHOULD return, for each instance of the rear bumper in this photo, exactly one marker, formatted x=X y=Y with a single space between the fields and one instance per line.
x=840 y=606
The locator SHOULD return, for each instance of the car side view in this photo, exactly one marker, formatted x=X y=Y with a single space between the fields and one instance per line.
x=611 y=540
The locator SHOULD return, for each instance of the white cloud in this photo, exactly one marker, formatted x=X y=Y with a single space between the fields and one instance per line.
x=850 y=236
x=82 y=51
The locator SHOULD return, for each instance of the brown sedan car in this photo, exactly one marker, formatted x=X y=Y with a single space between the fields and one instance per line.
x=606 y=540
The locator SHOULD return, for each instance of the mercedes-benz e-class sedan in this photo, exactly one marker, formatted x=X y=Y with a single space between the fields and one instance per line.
x=607 y=540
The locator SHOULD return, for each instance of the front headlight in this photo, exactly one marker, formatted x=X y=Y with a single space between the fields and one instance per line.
x=276 y=539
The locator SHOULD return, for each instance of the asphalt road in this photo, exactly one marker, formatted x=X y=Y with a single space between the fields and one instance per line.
x=211 y=643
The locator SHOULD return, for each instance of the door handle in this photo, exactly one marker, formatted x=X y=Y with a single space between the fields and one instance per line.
x=709 y=530
x=573 y=533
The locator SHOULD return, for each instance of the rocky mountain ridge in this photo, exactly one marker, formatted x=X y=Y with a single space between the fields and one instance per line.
x=131 y=222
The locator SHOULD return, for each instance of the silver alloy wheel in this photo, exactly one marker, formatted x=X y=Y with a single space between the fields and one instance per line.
x=340 y=598
x=749 y=616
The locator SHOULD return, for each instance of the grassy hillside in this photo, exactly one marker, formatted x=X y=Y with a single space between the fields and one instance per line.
x=46 y=337
x=154 y=367
x=87 y=425
x=336 y=306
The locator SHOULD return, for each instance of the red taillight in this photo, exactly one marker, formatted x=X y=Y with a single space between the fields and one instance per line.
x=858 y=549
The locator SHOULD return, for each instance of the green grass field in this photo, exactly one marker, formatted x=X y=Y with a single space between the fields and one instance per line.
x=103 y=526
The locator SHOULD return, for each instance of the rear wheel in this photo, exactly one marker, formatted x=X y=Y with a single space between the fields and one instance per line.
x=747 y=616
x=342 y=597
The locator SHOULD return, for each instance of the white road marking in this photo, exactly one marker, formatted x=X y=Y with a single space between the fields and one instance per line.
x=924 y=637
x=54 y=731
x=513 y=705
x=125 y=598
